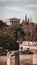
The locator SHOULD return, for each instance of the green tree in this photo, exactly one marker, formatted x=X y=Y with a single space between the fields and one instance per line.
x=7 y=41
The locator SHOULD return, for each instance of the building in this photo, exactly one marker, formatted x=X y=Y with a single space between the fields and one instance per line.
x=28 y=44
x=14 y=21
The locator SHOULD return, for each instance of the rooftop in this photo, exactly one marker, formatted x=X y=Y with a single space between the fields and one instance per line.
x=14 y=18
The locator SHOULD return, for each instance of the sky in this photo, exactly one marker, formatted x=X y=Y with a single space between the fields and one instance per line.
x=18 y=8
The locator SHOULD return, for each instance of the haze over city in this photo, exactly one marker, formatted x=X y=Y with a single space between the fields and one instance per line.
x=18 y=8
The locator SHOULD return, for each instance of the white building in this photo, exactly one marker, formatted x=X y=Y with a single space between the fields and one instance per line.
x=28 y=44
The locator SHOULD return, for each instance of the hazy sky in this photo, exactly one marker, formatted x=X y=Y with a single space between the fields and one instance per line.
x=18 y=8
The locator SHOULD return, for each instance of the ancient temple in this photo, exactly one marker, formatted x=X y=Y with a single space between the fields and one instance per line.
x=14 y=21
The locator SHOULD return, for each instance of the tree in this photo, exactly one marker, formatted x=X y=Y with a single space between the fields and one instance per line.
x=19 y=34
x=2 y=24
x=8 y=41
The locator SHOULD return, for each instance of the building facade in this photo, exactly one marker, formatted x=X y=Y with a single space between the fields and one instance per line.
x=14 y=21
